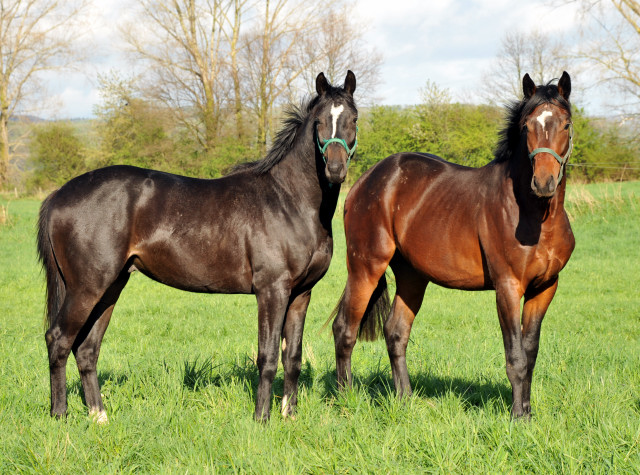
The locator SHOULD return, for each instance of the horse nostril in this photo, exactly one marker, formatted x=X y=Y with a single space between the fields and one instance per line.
x=534 y=183
x=551 y=185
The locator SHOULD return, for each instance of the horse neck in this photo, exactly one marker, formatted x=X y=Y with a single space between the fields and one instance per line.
x=299 y=175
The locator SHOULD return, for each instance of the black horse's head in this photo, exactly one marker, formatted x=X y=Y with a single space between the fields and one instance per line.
x=335 y=117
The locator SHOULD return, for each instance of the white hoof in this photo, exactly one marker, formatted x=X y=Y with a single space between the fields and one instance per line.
x=99 y=417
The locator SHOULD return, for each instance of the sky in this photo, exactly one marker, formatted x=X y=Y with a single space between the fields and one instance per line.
x=449 y=42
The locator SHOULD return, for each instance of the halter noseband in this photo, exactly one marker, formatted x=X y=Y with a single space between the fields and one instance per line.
x=561 y=160
x=350 y=151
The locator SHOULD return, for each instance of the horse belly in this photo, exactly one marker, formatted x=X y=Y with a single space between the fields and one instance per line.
x=196 y=267
x=448 y=270
x=450 y=261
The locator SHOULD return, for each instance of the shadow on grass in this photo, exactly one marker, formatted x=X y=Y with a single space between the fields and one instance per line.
x=75 y=388
x=378 y=384
x=199 y=373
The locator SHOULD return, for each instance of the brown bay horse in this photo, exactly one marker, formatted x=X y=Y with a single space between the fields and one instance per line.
x=263 y=229
x=500 y=227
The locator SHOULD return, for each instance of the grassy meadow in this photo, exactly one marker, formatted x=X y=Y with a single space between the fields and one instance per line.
x=179 y=380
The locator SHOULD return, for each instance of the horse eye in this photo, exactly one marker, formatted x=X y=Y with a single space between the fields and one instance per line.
x=566 y=127
x=355 y=120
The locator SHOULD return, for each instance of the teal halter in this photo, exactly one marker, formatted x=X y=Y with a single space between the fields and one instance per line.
x=561 y=160
x=350 y=151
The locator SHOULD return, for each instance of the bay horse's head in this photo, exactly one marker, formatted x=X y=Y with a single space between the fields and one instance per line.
x=549 y=132
x=336 y=129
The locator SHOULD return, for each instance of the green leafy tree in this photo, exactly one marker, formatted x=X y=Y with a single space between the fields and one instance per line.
x=133 y=131
x=57 y=155
x=603 y=150
x=382 y=131
x=460 y=133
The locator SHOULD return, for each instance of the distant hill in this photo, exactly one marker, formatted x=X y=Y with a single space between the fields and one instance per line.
x=26 y=118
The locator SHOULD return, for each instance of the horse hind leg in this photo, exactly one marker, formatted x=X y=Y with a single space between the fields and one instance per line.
x=60 y=338
x=359 y=291
x=410 y=288
x=86 y=348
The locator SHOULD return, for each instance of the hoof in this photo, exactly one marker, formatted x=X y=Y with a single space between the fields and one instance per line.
x=99 y=416
x=288 y=409
x=59 y=415
x=262 y=417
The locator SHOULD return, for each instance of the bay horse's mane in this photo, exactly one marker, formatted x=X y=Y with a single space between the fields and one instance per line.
x=518 y=111
x=287 y=136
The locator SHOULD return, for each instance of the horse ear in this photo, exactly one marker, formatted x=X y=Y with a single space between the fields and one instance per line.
x=321 y=84
x=564 y=85
x=528 y=86
x=350 y=82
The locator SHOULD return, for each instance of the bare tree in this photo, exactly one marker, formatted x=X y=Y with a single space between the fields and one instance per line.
x=234 y=20
x=536 y=53
x=228 y=59
x=611 y=45
x=290 y=43
x=183 y=43
x=35 y=36
x=341 y=46
x=272 y=56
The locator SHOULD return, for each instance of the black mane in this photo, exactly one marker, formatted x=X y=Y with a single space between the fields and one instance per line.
x=295 y=116
x=518 y=111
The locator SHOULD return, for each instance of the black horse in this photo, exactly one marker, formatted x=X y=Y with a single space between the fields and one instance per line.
x=264 y=229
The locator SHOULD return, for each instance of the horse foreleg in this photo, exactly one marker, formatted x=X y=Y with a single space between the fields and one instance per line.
x=409 y=293
x=536 y=303
x=292 y=350
x=272 y=305
x=508 y=301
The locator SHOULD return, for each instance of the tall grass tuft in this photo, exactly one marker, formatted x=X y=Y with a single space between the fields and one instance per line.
x=4 y=214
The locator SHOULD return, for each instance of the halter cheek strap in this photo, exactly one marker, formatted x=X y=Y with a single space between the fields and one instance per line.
x=350 y=151
x=561 y=160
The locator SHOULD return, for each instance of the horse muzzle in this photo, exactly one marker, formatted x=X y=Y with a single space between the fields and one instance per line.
x=544 y=188
x=336 y=164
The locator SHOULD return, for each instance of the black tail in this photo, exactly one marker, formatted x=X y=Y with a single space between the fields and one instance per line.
x=55 y=283
x=378 y=310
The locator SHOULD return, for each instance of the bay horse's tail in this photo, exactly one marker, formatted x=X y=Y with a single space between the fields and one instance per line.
x=55 y=282
x=376 y=314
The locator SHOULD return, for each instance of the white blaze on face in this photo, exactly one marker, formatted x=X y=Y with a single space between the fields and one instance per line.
x=335 y=113
x=542 y=118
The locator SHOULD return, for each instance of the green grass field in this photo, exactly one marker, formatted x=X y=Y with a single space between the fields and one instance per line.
x=179 y=380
